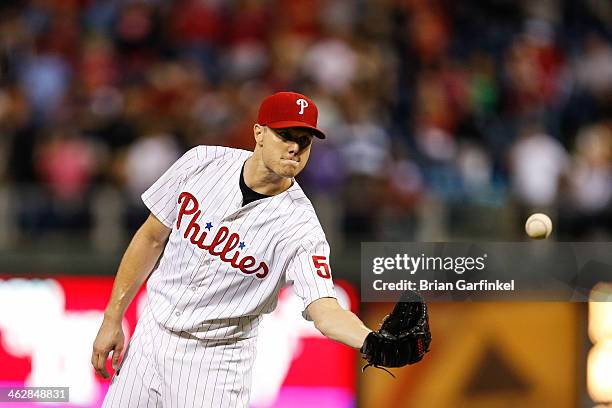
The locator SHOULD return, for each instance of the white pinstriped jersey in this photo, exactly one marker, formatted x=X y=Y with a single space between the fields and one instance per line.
x=225 y=263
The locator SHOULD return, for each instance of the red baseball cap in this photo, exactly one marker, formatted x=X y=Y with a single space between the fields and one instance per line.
x=289 y=109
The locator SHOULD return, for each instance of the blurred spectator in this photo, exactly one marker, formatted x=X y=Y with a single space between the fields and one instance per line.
x=537 y=162
x=65 y=163
x=146 y=160
x=195 y=31
x=591 y=175
x=594 y=68
x=533 y=67
x=588 y=213
x=332 y=64
x=475 y=166
x=20 y=135
x=44 y=79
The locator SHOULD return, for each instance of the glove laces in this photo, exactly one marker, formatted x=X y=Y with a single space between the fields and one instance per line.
x=378 y=367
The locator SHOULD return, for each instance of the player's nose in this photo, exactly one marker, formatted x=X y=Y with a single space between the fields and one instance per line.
x=293 y=147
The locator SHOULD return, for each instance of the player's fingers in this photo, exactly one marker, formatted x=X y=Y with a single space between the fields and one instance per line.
x=94 y=360
x=116 y=355
x=100 y=364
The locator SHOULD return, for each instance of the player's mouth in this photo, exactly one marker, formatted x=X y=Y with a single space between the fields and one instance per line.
x=291 y=162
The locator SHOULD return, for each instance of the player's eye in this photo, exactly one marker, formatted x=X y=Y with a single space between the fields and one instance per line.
x=304 y=141
x=283 y=134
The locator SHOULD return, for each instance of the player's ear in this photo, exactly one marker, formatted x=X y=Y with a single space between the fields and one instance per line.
x=258 y=133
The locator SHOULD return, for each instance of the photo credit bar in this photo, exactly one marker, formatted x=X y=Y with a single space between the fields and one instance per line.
x=496 y=271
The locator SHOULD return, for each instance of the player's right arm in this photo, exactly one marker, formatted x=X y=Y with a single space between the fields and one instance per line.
x=137 y=263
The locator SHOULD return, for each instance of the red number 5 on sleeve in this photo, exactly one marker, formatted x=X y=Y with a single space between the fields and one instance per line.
x=320 y=263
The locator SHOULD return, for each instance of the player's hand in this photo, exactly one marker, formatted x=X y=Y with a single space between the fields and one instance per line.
x=110 y=338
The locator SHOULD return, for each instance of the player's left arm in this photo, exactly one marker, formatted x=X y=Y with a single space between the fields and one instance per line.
x=337 y=323
x=403 y=337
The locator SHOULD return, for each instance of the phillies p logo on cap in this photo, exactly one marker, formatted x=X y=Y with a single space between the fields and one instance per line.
x=289 y=109
x=303 y=104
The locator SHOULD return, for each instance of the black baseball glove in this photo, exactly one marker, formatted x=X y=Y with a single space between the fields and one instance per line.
x=403 y=337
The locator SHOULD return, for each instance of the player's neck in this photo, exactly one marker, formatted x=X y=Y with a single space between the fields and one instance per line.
x=262 y=180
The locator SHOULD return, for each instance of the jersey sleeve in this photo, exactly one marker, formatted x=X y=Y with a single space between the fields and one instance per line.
x=161 y=197
x=310 y=272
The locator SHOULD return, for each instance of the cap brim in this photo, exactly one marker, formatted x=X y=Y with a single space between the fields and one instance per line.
x=292 y=124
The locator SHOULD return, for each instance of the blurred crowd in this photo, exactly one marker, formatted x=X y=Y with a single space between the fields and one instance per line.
x=488 y=103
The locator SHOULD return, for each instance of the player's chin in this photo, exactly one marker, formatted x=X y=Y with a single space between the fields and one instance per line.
x=287 y=173
x=289 y=170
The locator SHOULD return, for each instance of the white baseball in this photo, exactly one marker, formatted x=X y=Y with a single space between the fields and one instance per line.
x=538 y=226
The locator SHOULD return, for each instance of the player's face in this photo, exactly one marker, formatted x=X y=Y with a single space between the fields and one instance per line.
x=286 y=151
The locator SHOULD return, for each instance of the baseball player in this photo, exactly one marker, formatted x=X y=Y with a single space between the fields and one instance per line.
x=228 y=228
